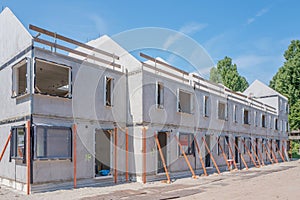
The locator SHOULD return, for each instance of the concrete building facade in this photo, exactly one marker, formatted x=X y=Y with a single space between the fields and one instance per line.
x=100 y=107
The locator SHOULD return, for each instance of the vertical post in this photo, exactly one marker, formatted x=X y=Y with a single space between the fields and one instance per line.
x=144 y=155
x=224 y=156
x=115 y=151
x=285 y=153
x=75 y=154
x=28 y=155
x=200 y=156
x=127 y=165
x=211 y=156
x=5 y=146
x=242 y=157
x=231 y=153
x=249 y=153
x=162 y=158
x=186 y=158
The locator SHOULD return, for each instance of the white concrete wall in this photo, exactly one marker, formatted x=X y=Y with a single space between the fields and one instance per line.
x=14 y=37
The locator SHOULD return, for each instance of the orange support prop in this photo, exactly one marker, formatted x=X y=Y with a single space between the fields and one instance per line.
x=211 y=156
x=260 y=154
x=249 y=153
x=5 y=146
x=186 y=158
x=224 y=156
x=200 y=156
x=231 y=153
x=144 y=155
x=272 y=152
x=116 y=154
x=28 y=155
x=254 y=151
x=269 y=156
x=75 y=154
x=162 y=158
x=242 y=157
x=279 y=152
x=127 y=163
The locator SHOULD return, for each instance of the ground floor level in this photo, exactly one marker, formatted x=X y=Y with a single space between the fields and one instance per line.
x=277 y=181
x=62 y=151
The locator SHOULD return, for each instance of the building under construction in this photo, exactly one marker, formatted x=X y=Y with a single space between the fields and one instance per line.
x=95 y=114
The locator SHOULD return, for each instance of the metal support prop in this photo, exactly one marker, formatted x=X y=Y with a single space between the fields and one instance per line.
x=186 y=158
x=200 y=156
x=285 y=153
x=242 y=157
x=28 y=155
x=5 y=146
x=249 y=153
x=162 y=158
x=211 y=156
x=272 y=152
x=267 y=152
x=224 y=155
x=255 y=154
x=74 y=155
x=127 y=157
x=116 y=155
x=260 y=154
x=279 y=152
x=231 y=153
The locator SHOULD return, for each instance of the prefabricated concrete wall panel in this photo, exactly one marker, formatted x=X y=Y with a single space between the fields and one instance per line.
x=14 y=170
x=14 y=37
x=12 y=107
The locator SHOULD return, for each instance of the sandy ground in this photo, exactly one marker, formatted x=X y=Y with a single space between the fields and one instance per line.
x=278 y=181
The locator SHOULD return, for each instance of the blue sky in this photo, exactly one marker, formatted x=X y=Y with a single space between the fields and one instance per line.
x=254 y=33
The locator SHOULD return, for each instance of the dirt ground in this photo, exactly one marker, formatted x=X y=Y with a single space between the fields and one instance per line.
x=278 y=181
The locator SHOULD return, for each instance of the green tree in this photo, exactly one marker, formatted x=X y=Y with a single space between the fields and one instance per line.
x=287 y=81
x=294 y=116
x=227 y=74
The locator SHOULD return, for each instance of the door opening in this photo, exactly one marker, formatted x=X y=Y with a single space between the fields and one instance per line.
x=162 y=138
x=207 y=155
x=236 y=151
x=102 y=153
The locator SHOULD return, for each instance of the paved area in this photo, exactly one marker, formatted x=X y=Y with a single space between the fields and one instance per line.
x=278 y=181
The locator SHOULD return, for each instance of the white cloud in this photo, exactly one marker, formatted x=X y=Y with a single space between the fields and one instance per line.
x=187 y=30
x=100 y=24
x=258 y=14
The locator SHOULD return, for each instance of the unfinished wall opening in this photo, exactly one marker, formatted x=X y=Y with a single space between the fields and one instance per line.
x=19 y=86
x=207 y=156
x=205 y=106
x=52 y=79
x=187 y=142
x=162 y=138
x=263 y=121
x=221 y=111
x=236 y=140
x=102 y=153
x=234 y=113
x=226 y=147
x=184 y=102
x=52 y=142
x=108 y=95
x=159 y=95
x=17 y=143
x=276 y=124
x=246 y=116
